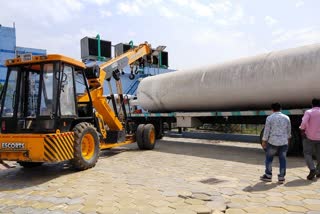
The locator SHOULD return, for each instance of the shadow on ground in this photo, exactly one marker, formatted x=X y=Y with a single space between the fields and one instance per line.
x=215 y=136
x=260 y=186
x=218 y=151
x=264 y=186
x=19 y=177
x=298 y=183
x=115 y=151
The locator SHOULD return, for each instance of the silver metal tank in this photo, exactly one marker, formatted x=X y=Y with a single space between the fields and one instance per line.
x=291 y=77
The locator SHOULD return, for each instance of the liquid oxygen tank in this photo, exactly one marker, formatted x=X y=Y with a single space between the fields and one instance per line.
x=291 y=77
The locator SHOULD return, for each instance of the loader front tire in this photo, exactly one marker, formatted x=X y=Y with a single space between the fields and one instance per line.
x=86 y=146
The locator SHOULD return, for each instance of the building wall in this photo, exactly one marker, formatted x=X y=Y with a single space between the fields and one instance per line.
x=33 y=51
x=8 y=49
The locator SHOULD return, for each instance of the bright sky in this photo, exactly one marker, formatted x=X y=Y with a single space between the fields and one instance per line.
x=195 y=32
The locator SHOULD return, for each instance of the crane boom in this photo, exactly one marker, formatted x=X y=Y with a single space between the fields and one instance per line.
x=98 y=74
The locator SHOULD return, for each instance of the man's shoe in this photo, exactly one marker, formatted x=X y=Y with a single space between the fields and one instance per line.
x=281 y=180
x=311 y=175
x=318 y=175
x=265 y=178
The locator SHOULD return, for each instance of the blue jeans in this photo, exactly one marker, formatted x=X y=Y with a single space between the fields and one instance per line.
x=270 y=153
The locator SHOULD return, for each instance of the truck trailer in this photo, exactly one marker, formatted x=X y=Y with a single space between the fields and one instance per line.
x=236 y=92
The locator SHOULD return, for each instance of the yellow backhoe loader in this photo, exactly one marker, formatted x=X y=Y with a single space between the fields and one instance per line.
x=53 y=109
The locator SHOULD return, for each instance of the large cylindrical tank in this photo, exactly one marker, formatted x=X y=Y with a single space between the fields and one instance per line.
x=291 y=77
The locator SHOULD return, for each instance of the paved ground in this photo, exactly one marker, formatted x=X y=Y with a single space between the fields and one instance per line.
x=179 y=176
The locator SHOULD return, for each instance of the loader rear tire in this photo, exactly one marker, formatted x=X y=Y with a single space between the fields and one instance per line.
x=86 y=146
x=29 y=164
x=149 y=137
x=139 y=136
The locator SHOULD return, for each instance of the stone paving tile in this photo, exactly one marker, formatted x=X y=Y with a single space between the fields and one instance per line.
x=146 y=208
x=311 y=201
x=217 y=205
x=192 y=201
x=184 y=211
x=162 y=210
x=177 y=205
x=294 y=202
x=313 y=212
x=41 y=205
x=276 y=194
x=315 y=207
x=293 y=208
x=59 y=207
x=257 y=210
x=200 y=209
x=235 y=211
x=159 y=203
x=74 y=208
x=179 y=176
x=276 y=210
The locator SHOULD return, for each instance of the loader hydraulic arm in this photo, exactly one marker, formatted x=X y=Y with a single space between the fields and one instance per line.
x=121 y=61
x=97 y=74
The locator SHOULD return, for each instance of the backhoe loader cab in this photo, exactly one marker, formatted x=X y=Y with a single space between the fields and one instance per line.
x=41 y=118
x=40 y=95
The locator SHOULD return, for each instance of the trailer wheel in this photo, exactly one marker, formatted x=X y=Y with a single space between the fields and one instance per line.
x=149 y=137
x=139 y=136
x=29 y=164
x=295 y=144
x=86 y=146
x=159 y=136
x=159 y=130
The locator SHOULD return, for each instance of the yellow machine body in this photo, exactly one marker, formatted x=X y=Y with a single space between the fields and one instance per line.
x=55 y=147
x=36 y=147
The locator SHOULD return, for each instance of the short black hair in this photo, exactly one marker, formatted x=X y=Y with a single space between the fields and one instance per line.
x=275 y=106
x=315 y=102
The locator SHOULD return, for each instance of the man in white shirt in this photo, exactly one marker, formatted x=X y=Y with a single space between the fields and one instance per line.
x=277 y=133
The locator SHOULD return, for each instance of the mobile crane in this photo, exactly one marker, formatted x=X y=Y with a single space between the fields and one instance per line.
x=53 y=109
